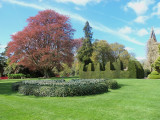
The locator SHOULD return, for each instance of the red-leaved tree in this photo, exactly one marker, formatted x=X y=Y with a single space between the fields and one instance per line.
x=46 y=42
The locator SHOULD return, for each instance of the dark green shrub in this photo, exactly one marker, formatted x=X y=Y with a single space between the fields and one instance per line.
x=15 y=86
x=140 y=70
x=112 y=84
x=16 y=76
x=28 y=76
x=146 y=72
x=132 y=69
x=112 y=70
x=76 y=87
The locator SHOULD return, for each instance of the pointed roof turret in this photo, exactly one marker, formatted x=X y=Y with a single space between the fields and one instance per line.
x=153 y=36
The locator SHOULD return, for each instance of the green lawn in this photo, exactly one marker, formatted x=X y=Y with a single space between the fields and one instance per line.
x=137 y=99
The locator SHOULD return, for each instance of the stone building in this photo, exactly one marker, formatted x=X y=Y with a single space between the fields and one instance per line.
x=152 y=49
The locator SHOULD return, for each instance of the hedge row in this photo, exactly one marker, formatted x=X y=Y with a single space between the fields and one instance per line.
x=17 y=76
x=60 y=88
x=112 y=70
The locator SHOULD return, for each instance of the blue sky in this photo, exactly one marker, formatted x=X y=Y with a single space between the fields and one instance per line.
x=127 y=22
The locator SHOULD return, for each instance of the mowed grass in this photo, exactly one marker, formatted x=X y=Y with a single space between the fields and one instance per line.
x=137 y=99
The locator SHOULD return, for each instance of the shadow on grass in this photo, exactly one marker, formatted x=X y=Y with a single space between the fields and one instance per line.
x=122 y=85
x=5 y=89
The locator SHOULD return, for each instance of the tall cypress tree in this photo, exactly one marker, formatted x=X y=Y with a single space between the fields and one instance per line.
x=86 y=50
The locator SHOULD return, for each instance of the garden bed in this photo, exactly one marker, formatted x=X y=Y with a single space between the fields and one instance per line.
x=62 y=88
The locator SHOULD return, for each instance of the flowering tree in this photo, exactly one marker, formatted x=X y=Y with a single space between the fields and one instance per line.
x=46 y=42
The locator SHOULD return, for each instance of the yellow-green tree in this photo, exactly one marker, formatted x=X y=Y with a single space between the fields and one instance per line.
x=119 y=52
x=102 y=52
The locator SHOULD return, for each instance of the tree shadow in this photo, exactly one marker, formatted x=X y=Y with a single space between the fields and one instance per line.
x=5 y=89
x=122 y=85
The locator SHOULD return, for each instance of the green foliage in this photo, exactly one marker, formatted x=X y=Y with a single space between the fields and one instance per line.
x=114 y=70
x=146 y=72
x=156 y=65
x=85 y=52
x=2 y=62
x=132 y=69
x=66 y=70
x=16 y=76
x=119 y=52
x=112 y=84
x=154 y=73
x=75 y=68
x=109 y=66
x=118 y=65
x=90 y=67
x=150 y=76
x=102 y=52
x=75 y=87
x=140 y=70
x=15 y=86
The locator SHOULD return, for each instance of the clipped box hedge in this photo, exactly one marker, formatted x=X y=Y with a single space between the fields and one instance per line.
x=62 y=88
x=112 y=70
x=16 y=76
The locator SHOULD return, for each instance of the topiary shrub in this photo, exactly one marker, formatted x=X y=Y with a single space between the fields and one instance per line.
x=154 y=75
x=61 y=88
x=112 y=84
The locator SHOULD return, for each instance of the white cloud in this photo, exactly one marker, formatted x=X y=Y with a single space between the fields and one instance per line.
x=79 y=2
x=157 y=30
x=141 y=19
x=128 y=48
x=97 y=26
x=0 y=5
x=125 y=30
x=14 y=33
x=3 y=46
x=156 y=9
x=77 y=8
x=105 y=29
x=140 y=7
x=142 y=32
x=25 y=4
x=140 y=58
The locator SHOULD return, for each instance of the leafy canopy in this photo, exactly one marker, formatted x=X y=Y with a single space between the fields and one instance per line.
x=45 y=43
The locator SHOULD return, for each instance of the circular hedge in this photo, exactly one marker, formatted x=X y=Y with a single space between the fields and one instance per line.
x=61 y=88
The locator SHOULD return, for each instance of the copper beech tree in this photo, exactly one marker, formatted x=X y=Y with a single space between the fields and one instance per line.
x=46 y=42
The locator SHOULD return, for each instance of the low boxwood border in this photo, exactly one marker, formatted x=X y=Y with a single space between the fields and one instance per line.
x=62 y=88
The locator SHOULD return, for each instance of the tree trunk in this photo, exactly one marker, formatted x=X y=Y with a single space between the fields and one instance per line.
x=46 y=73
